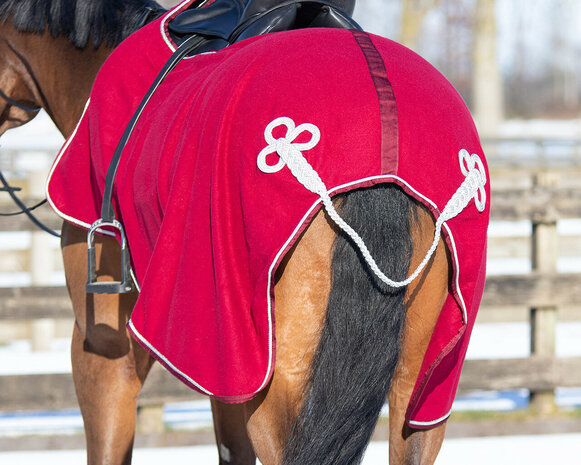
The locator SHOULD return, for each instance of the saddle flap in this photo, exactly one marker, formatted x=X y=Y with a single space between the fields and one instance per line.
x=263 y=22
x=216 y=20
x=319 y=15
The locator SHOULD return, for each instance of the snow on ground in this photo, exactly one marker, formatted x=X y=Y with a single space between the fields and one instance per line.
x=536 y=128
x=506 y=450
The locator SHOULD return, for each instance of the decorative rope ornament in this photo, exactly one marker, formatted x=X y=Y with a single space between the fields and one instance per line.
x=290 y=154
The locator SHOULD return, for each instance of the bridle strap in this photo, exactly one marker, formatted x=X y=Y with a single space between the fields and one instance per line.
x=11 y=190
x=16 y=104
x=24 y=209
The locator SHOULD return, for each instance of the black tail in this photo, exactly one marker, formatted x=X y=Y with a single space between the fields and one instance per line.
x=360 y=341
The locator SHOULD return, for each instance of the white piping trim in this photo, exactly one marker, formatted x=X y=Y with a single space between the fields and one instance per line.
x=132 y=273
x=58 y=158
x=282 y=250
x=432 y=422
x=168 y=15
x=209 y=52
x=458 y=290
x=160 y=356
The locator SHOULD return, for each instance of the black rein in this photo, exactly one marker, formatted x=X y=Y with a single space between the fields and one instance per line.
x=16 y=104
x=24 y=210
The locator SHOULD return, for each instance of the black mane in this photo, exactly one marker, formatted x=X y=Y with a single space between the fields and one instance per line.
x=81 y=21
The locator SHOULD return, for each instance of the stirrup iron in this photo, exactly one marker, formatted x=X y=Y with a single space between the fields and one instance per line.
x=108 y=287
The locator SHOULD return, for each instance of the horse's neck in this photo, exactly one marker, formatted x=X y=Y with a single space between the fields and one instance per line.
x=62 y=93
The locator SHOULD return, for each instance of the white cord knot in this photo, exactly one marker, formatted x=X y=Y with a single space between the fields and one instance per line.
x=471 y=188
x=290 y=154
x=472 y=166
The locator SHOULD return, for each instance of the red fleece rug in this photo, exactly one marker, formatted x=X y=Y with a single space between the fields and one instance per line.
x=207 y=226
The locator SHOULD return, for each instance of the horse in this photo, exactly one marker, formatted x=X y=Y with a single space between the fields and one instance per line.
x=344 y=339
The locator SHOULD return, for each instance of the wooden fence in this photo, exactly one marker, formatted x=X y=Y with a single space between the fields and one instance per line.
x=542 y=195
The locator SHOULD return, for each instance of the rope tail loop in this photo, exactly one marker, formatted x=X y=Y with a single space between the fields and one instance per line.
x=290 y=154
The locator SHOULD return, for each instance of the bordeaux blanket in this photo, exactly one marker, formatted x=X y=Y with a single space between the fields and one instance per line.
x=207 y=227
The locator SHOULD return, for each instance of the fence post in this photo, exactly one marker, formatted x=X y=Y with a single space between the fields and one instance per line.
x=42 y=331
x=150 y=419
x=545 y=253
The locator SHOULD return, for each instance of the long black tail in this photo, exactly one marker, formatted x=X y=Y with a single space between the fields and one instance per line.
x=360 y=341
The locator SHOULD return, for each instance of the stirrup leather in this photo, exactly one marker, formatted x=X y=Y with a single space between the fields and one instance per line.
x=107 y=210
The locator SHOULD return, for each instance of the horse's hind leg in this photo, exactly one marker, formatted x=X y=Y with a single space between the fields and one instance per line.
x=301 y=295
x=424 y=300
x=108 y=368
x=262 y=425
x=234 y=446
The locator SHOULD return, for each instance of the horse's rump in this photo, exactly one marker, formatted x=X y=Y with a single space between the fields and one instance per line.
x=207 y=228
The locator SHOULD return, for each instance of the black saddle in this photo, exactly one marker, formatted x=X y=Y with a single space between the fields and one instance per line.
x=225 y=22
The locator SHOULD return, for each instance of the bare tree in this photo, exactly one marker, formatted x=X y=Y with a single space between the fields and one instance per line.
x=565 y=58
x=486 y=77
x=413 y=13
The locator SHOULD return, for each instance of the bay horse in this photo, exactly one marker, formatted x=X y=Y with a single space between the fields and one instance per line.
x=344 y=340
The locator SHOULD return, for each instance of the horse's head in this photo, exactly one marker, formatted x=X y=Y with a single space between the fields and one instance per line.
x=20 y=99
x=49 y=57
